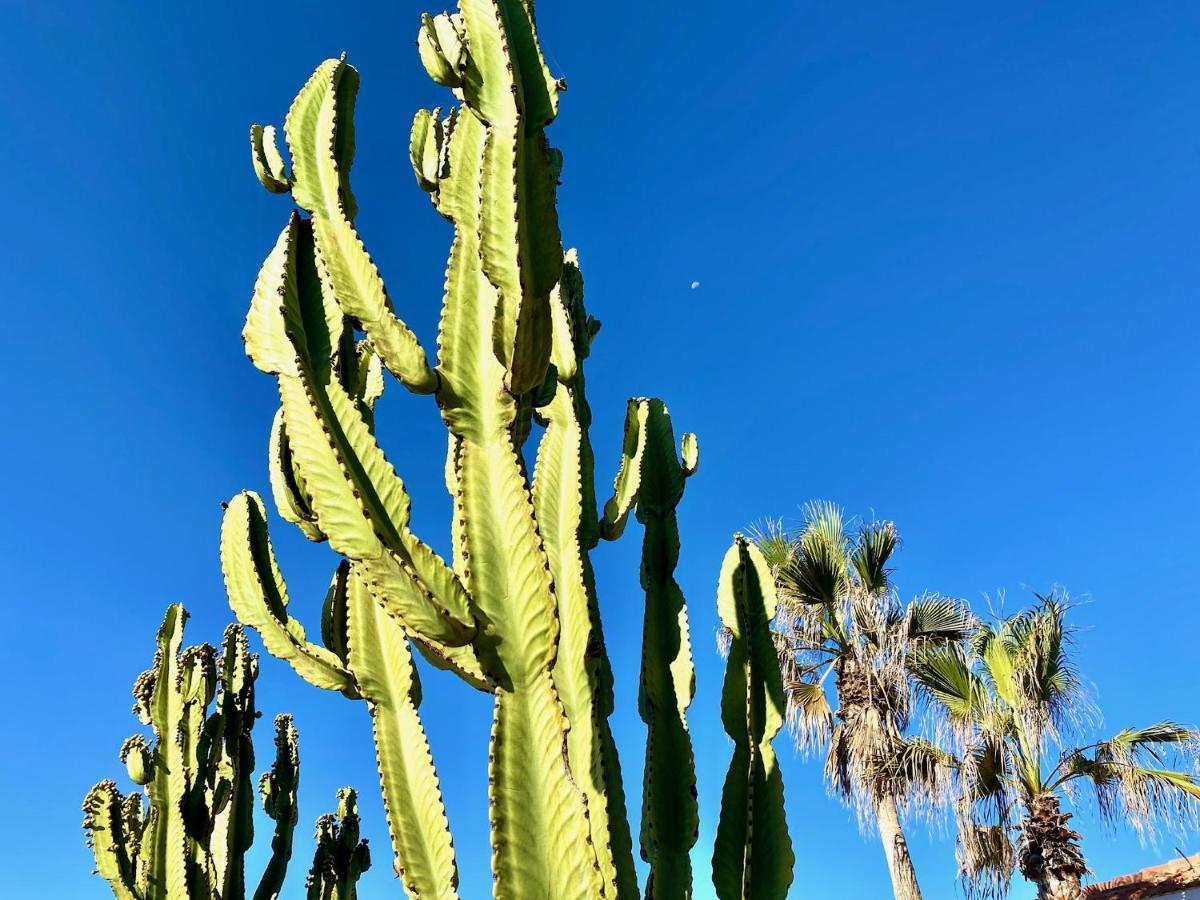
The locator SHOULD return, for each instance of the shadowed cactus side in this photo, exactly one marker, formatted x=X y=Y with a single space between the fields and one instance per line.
x=186 y=838
x=513 y=609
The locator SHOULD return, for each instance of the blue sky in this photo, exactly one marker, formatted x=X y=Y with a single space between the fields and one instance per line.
x=947 y=273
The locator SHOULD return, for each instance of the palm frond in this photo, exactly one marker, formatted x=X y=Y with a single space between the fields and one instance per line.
x=934 y=618
x=918 y=774
x=1000 y=662
x=874 y=547
x=809 y=715
x=1047 y=674
x=1152 y=736
x=818 y=571
x=772 y=540
x=986 y=859
x=944 y=673
x=1143 y=776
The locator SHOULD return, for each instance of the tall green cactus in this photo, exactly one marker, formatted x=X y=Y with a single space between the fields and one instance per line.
x=752 y=859
x=652 y=477
x=191 y=839
x=514 y=611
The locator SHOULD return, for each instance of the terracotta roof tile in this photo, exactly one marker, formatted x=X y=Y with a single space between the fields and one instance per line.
x=1152 y=882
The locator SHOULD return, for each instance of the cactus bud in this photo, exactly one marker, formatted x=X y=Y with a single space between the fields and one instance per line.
x=138 y=760
x=143 y=694
x=441 y=47
x=425 y=148
x=690 y=451
x=198 y=674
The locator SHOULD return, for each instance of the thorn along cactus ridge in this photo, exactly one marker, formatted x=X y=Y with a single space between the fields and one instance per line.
x=513 y=611
x=187 y=837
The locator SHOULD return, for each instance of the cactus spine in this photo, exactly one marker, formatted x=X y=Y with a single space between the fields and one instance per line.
x=514 y=611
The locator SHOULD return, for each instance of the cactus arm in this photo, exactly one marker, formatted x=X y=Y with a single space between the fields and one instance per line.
x=358 y=499
x=104 y=823
x=670 y=818
x=197 y=685
x=278 y=788
x=379 y=656
x=319 y=130
x=268 y=164
x=340 y=857
x=507 y=85
x=629 y=473
x=285 y=487
x=752 y=857
x=258 y=596
x=424 y=147
x=539 y=827
x=539 y=830
x=230 y=789
x=565 y=506
x=161 y=705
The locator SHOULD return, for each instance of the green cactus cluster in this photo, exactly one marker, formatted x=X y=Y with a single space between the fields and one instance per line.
x=341 y=858
x=513 y=609
x=187 y=836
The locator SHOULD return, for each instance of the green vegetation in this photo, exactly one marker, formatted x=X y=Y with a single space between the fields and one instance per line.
x=1011 y=697
x=513 y=612
x=187 y=838
x=341 y=857
x=815 y=633
x=841 y=631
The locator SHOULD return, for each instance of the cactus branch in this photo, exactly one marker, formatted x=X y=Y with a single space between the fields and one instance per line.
x=752 y=858
x=652 y=478
x=380 y=659
x=565 y=504
x=258 y=596
x=278 y=789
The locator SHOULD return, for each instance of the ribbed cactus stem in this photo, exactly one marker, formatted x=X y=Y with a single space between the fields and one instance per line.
x=752 y=858
x=565 y=506
x=230 y=789
x=514 y=612
x=278 y=788
x=652 y=477
x=341 y=857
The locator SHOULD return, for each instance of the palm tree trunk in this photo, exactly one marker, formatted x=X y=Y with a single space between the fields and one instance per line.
x=1048 y=853
x=1060 y=889
x=895 y=849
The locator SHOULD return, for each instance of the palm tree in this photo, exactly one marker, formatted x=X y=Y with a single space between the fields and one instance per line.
x=844 y=639
x=1011 y=699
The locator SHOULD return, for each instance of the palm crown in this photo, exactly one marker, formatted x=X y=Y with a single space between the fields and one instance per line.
x=1011 y=698
x=840 y=620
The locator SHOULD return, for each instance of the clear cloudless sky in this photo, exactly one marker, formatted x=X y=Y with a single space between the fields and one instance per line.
x=947 y=264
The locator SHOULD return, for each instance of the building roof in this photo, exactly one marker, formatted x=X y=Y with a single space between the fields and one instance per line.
x=1155 y=881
